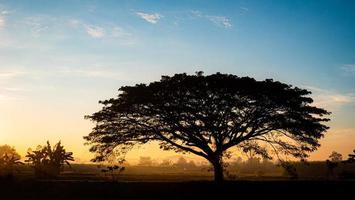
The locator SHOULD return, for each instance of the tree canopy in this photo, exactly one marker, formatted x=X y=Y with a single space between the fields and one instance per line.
x=209 y=115
x=6 y=150
x=9 y=160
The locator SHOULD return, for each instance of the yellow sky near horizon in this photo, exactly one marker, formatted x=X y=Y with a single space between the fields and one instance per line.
x=26 y=123
x=74 y=142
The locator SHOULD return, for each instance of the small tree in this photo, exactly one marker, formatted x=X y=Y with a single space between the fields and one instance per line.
x=113 y=168
x=336 y=157
x=351 y=158
x=9 y=160
x=208 y=116
x=113 y=171
x=48 y=161
x=289 y=169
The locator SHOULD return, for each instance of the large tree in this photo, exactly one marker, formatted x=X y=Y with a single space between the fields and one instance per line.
x=208 y=115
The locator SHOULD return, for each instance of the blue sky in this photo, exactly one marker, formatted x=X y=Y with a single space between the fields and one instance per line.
x=58 y=58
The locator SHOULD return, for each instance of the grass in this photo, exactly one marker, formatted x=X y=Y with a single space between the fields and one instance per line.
x=87 y=182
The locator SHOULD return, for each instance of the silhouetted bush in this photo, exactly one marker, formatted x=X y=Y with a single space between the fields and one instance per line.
x=9 y=160
x=113 y=171
x=48 y=162
x=351 y=158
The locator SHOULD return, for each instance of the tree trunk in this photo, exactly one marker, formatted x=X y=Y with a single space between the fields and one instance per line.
x=218 y=169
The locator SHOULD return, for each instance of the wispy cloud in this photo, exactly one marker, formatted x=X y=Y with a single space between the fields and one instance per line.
x=243 y=10
x=330 y=99
x=152 y=18
x=4 y=11
x=221 y=21
x=95 y=31
x=11 y=74
x=74 y=23
x=2 y=18
x=110 y=31
x=37 y=25
x=349 y=68
x=2 y=22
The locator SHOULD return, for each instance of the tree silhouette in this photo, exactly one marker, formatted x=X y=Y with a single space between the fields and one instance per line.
x=113 y=171
x=208 y=115
x=351 y=158
x=336 y=157
x=48 y=161
x=289 y=170
x=9 y=159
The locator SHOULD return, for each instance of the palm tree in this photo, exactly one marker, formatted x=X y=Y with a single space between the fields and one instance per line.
x=48 y=161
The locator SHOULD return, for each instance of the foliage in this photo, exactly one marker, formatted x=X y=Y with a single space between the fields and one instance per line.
x=336 y=157
x=114 y=168
x=348 y=174
x=209 y=115
x=334 y=160
x=9 y=160
x=351 y=158
x=113 y=171
x=290 y=170
x=48 y=161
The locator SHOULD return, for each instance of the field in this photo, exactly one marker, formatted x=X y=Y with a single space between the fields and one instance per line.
x=173 y=190
x=153 y=182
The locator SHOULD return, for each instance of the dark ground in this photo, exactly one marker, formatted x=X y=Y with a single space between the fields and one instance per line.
x=279 y=189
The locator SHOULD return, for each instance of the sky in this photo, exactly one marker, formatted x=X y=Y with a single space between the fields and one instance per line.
x=59 y=58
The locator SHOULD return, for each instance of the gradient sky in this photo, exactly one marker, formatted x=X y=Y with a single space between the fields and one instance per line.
x=58 y=58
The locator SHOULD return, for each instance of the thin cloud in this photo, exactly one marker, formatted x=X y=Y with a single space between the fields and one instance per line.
x=6 y=12
x=110 y=31
x=74 y=23
x=244 y=8
x=151 y=18
x=95 y=31
x=349 y=68
x=11 y=74
x=2 y=22
x=2 y=18
x=329 y=99
x=37 y=25
x=221 y=21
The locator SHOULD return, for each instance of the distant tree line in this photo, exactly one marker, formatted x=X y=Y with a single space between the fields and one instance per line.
x=181 y=162
x=48 y=162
